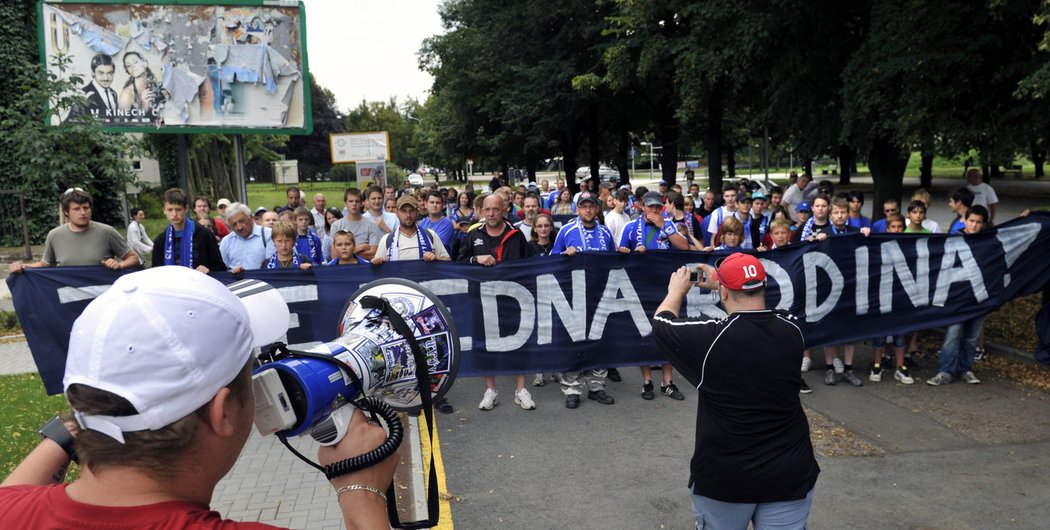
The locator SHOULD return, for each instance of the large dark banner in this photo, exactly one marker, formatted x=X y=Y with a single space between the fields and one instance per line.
x=584 y=311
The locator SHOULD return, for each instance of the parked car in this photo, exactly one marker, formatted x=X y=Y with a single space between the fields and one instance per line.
x=415 y=179
x=605 y=173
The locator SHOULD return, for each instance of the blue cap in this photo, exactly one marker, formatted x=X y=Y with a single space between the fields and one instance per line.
x=804 y=207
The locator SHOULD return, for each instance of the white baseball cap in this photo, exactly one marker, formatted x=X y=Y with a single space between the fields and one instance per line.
x=167 y=339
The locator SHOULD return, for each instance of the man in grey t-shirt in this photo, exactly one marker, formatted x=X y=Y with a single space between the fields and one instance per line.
x=82 y=241
x=366 y=231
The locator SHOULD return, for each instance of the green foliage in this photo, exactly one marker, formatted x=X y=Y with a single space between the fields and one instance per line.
x=44 y=160
x=399 y=120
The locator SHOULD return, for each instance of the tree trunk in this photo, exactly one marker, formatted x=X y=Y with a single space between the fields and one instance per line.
x=594 y=138
x=669 y=134
x=887 y=162
x=730 y=161
x=1038 y=158
x=713 y=140
x=569 y=150
x=845 y=163
x=807 y=166
x=530 y=166
x=623 y=148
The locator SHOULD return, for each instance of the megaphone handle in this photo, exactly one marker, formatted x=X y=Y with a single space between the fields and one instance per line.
x=395 y=434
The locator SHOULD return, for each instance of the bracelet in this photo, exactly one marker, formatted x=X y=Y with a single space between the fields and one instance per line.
x=354 y=487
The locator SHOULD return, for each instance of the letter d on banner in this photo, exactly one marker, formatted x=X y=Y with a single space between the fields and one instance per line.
x=490 y=313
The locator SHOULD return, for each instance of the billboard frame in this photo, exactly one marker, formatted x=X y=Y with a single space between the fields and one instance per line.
x=308 y=119
x=331 y=146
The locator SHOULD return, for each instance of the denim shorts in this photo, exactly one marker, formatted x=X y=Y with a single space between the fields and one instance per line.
x=899 y=341
x=784 y=515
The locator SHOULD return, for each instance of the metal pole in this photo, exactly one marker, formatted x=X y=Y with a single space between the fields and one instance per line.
x=25 y=225
x=650 y=161
x=184 y=161
x=242 y=184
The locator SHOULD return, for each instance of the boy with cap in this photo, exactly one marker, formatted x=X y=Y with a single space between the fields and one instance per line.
x=160 y=414
x=584 y=234
x=753 y=460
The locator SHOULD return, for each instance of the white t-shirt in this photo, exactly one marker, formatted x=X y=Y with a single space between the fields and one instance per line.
x=616 y=222
x=983 y=194
x=389 y=219
x=408 y=246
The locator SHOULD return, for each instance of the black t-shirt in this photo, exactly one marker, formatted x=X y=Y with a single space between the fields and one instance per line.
x=752 y=437
x=508 y=245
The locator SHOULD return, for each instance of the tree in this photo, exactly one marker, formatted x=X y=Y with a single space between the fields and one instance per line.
x=388 y=116
x=43 y=160
x=313 y=151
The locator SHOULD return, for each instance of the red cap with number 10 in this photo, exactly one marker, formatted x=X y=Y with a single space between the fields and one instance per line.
x=741 y=272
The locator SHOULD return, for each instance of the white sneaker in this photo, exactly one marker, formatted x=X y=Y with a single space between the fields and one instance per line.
x=903 y=377
x=538 y=380
x=839 y=367
x=806 y=362
x=970 y=378
x=523 y=399
x=490 y=400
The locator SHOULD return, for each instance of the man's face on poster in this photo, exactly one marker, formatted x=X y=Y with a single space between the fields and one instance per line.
x=103 y=75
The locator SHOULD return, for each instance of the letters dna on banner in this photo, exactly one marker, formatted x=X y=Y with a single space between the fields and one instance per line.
x=590 y=310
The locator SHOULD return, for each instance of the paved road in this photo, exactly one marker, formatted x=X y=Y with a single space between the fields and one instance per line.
x=955 y=457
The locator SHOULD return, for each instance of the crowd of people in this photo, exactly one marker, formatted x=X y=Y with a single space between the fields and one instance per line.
x=380 y=224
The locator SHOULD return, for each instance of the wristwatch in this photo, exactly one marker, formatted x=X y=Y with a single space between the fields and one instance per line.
x=56 y=430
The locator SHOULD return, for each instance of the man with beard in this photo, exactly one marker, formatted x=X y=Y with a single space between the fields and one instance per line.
x=530 y=209
x=409 y=242
x=82 y=241
x=584 y=234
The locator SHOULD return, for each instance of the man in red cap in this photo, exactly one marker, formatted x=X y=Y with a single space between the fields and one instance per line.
x=753 y=460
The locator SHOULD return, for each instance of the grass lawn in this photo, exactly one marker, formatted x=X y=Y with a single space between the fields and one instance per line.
x=24 y=407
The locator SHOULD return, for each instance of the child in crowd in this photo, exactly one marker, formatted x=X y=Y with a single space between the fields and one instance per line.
x=343 y=250
x=286 y=215
x=839 y=224
x=818 y=227
x=390 y=205
x=894 y=225
x=922 y=195
x=286 y=257
x=856 y=204
x=732 y=235
x=306 y=241
x=960 y=339
x=804 y=211
x=916 y=216
x=779 y=233
x=959 y=202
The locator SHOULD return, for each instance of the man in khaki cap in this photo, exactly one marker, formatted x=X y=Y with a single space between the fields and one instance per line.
x=408 y=242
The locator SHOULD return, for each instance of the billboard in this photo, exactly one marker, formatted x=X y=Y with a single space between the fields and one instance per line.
x=357 y=147
x=374 y=172
x=156 y=66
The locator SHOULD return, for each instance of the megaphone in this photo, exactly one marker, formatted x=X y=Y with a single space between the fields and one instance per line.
x=396 y=341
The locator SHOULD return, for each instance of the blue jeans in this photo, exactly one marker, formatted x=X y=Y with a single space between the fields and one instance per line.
x=784 y=515
x=959 y=347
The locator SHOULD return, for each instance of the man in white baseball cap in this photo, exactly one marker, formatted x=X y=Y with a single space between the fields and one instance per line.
x=158 y=375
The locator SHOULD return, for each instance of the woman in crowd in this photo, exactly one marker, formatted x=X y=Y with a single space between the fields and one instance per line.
x=564 y=206
x=137 y=237
x=331 y=215
x=543 y=234
x=465 y=210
